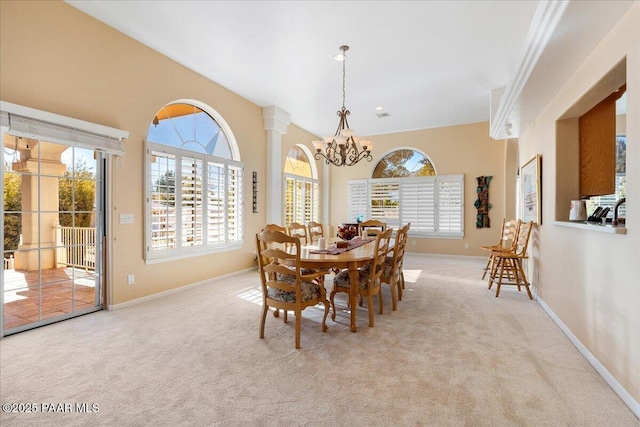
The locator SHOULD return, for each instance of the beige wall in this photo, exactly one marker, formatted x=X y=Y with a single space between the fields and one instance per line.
x=465 y=149
x=55 y=58
x=589 y=279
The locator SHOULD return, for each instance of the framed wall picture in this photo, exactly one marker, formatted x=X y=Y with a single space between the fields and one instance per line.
x=530 y=190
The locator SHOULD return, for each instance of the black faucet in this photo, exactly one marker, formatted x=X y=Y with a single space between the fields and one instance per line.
x=614 y=222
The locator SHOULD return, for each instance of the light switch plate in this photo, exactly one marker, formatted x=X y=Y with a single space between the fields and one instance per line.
x=126 y=218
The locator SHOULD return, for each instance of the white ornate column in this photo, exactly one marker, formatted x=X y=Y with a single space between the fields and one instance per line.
x=275 y=123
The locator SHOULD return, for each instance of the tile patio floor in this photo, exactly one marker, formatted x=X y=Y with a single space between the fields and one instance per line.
x=62 y=291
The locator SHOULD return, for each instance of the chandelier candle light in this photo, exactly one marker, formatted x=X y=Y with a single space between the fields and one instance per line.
x=343 y=148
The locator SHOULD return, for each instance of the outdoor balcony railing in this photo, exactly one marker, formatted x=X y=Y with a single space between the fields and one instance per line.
x=76 y=247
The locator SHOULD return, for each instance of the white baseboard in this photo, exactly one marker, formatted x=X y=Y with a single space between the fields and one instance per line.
x=176 y=290
x=633 y=404
x=428 y=255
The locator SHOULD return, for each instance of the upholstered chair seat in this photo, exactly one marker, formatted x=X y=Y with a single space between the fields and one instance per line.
x=309 y=291
x=342 y=279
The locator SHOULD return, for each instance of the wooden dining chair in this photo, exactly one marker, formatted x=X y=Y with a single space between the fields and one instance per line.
x=371 y=227
x=392 y=271
x=369 y=283
x=315 y=231
x=282 y=229
x=508 y=234
x=283 y=284
x=507 y=265
x=298 y=230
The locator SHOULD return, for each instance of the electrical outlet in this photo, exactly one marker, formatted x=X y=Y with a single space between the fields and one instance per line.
x=466 y=246
x=131 y=279
x=413 y=243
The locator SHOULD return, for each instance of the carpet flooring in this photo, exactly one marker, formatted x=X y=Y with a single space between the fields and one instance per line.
x=451 y=355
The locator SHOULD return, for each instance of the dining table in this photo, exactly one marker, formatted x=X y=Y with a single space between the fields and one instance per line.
x=352 y=258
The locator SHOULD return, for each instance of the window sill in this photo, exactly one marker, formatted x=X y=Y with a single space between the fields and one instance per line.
x=193 y=253
x=592 y=227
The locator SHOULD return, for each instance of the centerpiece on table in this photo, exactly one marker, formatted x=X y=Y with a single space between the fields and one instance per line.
x=347 y=231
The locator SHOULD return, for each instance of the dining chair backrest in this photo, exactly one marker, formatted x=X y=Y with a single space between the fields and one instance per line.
x=315 y=231
x=298 y=230
x=371 y=227
x=509 y=234
x=522 y=241
x=379 y=256
x=392 y=273
x=275 y=262
x=276 y=227
x=399 y=247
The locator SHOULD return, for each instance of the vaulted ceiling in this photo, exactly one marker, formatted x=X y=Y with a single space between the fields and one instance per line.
x=424 y=63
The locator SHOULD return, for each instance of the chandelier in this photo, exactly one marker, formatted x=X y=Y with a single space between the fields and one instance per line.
x=343 y=148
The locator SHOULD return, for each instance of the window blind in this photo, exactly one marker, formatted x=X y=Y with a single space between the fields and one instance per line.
x=30 y=123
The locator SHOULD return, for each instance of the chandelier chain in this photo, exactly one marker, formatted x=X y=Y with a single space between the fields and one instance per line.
x=344 y=148
x=344 y=77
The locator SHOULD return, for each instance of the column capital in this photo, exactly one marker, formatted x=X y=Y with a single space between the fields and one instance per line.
x=275 y=119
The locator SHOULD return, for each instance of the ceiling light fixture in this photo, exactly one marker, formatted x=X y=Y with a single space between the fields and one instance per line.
x=343 y=148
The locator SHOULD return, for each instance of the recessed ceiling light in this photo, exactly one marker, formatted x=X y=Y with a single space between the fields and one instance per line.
x=378 y=108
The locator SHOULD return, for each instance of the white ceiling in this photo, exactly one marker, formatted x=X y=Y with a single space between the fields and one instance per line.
x=427 y=63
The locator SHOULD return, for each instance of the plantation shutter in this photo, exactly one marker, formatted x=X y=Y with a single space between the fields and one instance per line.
x=216 y=196
x=385 y=201
x=450 y=205
x=234 y=203
x=433 y=205
x=418 y=204
x=163 y=201
x=315 y=201
x=191 y=202
x=357 y=199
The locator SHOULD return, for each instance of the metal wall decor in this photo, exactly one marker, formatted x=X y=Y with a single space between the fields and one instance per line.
x=255 y=192
x=482 y=203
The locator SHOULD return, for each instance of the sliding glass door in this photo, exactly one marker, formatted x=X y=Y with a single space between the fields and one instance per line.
x=53 y=216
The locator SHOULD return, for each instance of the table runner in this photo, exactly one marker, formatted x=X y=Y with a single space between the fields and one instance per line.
x=351 y=244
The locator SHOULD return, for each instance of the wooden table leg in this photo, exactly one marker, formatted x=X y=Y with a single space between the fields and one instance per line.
x=353 y=293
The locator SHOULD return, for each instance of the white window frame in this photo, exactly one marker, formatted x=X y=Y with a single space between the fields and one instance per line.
x=233 y=234
x=429 y=203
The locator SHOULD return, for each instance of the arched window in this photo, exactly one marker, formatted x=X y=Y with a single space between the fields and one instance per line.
x=403 y=163
x=403 y=188
x=202 y=210
x=301 y=188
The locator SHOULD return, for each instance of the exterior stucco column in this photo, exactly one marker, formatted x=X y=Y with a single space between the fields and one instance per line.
x=275 y=123
x=39 y=203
